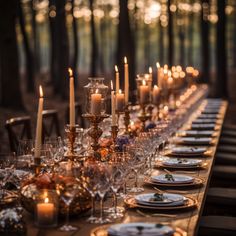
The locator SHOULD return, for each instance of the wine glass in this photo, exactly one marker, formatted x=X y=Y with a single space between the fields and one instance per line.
x=90 y=175
x=68 y=190
x=103 y=186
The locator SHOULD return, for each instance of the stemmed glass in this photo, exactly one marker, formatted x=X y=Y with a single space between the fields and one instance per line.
x=104 y=182
x=90 y=175
x=68 y=190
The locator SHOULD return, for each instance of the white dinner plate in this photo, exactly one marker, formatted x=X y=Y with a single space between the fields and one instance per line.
x=193 y=140
x=178 y=179
x=181 y=162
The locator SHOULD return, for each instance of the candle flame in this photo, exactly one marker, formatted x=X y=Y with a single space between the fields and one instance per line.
x=70 y=72
x=116 y=68
x=144 y=82
x=150 y=70
x=40 y=91
x=169 y=73
x=156 y=87
x=166 y=108
x=158 y=65
x=111 y=85
x=46 y=200
x=96 y=91
x=120 y=91
x=125 y=60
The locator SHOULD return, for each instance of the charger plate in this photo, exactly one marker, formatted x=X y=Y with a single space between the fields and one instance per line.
x=102 y=231
x=189 y=203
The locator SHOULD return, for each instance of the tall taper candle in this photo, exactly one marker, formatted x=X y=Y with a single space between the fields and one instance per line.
x=113 y=106
x=38 y=140
x=72 y=98
x=126 y=69
x=117 y=79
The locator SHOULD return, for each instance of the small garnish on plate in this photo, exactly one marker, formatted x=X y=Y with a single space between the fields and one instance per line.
x=157 y=197
x=169 y=177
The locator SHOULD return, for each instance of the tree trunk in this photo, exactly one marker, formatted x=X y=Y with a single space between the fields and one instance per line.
x=161 y=43
x=52 y=27
x=10 y=93
x=190 y=37
x=170 y=35
x=28 y=52
x=94 y=44
x=61 y=53
x=205 y=43
x=76 y=47
x=126 y=47
x=36 y=45
x=221 y=59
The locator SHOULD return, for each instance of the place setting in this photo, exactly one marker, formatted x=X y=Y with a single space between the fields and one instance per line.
x=186 y=151
x=138 y=228
x=172 y=179
x=204 y=141
x=196 y=133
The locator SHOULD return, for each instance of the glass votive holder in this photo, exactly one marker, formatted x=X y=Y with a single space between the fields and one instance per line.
x=46 y=209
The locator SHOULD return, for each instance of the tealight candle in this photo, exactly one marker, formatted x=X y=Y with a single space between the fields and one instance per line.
x=45 y=212
x=96 y=103
x=144 y=93
x=120 y=101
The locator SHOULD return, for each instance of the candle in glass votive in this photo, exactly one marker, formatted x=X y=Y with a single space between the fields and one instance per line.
x=120 y=101
x=45 y=212
x=113 y=106
x=117 y=79
x=144 y=93
x=72 y=98
x=38 y=140
x=96 y=103
x=156 y=95
x=126 y=71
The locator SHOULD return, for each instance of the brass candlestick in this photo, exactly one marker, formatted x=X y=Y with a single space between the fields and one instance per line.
x=114 y=132
x=71 y=132
x=127 y=118
x=95 y=131
x=37 y=165
x=150 y=108
x=143 y=116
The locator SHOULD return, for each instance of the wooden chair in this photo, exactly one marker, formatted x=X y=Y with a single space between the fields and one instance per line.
x=78 y=115
x=18 y=128
x=51 y=125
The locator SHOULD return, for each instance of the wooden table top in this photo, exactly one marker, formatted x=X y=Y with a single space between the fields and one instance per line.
x=186 y=220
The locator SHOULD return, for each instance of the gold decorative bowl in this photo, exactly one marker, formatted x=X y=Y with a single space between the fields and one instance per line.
x=33 y=187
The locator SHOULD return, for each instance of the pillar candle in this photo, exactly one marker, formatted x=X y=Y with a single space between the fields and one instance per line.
x=120 y=101
x=156 y=95
x=117 y=80
x=144 y=93
x=113 y=106
x=96 y=103
x=45 y=212
x=72 y=98
x=38 y=140
x=126 y=71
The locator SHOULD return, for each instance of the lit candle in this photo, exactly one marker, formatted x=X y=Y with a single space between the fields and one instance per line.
x=170 y=82
x=150 y=72
x=38 y=140
x=113 y=106
x=156 y=95
x=96 y=103
x=45 y=212
x=144 y=93
x=120 y=101
x=72 y=98
x=126 y=80
x=117 y=79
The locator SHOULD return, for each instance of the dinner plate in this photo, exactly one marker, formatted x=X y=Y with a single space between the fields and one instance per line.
x=187 y=151
x=177 y=179
x=208 y=116
x=196 y=133
x=189 y=203
x=140 y=228
x=170 y=199
x=197 y=181
x=203 y=126
x=103 y=231
x=204 y=121
x=193 y=140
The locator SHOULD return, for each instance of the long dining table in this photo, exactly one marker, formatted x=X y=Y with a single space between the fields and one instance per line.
x=188 y=220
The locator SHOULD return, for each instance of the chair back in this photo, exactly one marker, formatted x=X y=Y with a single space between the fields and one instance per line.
x=18 y=128
x=51 y=125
